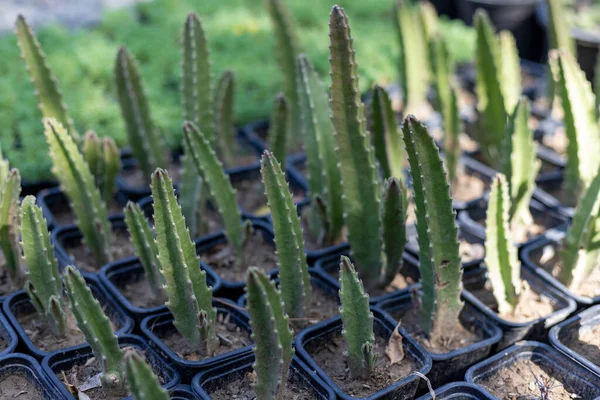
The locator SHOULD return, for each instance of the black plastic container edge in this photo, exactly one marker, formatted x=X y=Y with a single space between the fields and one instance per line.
x=458 y=391
x=528 y=350
x=9 y=335
x=245 y=363
x=404 y=388
x=191 y=368
x=28 y=367
x=183 y=392
x=54 y=361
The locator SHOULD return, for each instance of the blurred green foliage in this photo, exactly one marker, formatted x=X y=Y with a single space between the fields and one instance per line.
x=240 y=36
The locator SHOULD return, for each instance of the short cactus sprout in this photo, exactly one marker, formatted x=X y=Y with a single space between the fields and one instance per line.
x=104 y=160
x=141 y=381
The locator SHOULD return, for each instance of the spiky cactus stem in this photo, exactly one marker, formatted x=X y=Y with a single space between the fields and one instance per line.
x=193 y=196
x=504 y=268
x=357 y=320
x=104 y=160
x=141 y=381
x=48 y=93
x=271 y=333
x=44 y=283
x=437 y=234
x=280 y=126
x=145 y=246
x=224 y=114
x=189 y=296
x=393 y=217
x=95 y=326
x=76 y=180
x=294 y=280
x=10 y=191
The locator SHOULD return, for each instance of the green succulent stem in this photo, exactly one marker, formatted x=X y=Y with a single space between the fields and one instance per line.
x=10 y=191
x=224 y=117
x=394 y=209
x=141 y=381
x=193 y=196
x=278 y=131
x=104 y=159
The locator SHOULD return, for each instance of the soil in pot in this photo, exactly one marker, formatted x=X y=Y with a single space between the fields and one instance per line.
x=241 y=387
x=556 y=141
x=6 y=285
x=467 y=187
x=323 y=305
x=584 y=341
x=14 y=385
x=468 y=251
x=251 y=195
x=328 y=353
x=520 y=381
x=120 y=247
x=524 y=232
x=531 y=306
x=139 y=293
x=258 y=252
x=548 y=258
x=231 y=337
x=63 y=213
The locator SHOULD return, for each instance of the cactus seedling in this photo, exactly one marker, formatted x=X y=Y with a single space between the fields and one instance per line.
x=271 y=334
x=10 y=191
x=193 y=196
x=362 y=189
x=141 y=381
x=77 y=182
x=96 y=328
x=223 y=114
x=280 y=125
x=104 y=161
x=189 y=296
x=44 y=283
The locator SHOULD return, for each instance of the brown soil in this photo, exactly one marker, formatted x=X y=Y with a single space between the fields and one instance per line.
x=6 y=285
x=531 y=306
x=120 y=247
x=322 y=306
x=63 y=213
x=584 y=341
x=258 y=253
x=230 y=335
x=461 y=337
x=40 y=334
x=468 y=187
x=135 y=178
x=557 y=141
x=328 y=353
x=523 y=233
x=251 y=195
x=241 y=387
x=140 y=294
x=518 y=380
x=468 y=251
x=14 y=385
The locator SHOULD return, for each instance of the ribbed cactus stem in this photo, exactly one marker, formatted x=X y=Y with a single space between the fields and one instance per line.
x=394 y=209
x=104 y=160
x=9 y=226
x=47 y=91
x=357 y=320
x=144 y=138
x=95 y=326
x=558 y=34
x=294 y=280
x=510 y=71
x=192 y=196
x=44 y=283
x=189 y=296
x=141 y=381
x=76 y=180
x=504 y=267
x=4 y=167
x=224 y=116
x=280 y=127
x=271 y=333
x=437 y=234
x=145 y=246
x=359 y=172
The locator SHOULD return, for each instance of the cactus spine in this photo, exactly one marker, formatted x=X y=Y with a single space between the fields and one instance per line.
x=190 y=297
x=294 y=280
x=327 y=222
x=437 y=233
x=104 y=160
x=223 y=114
x=504 y=268
x=278 y=131
x=49 y=95
x=44 y=283
x=144 y=138
x=357 y=320
x=76 y=180
x=141 y=381
x=96 y=328
x=9 y=225
x=144 y=243
x=271 y=334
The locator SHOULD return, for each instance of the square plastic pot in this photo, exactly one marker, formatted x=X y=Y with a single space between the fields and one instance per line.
x=8 y=335
x=458 y=391
x=529 y=263
x=250 y=132
x=536 y=329
x=585 y=320
x=27 y=367
x=164 y=322
x=19 y=302
x=62 y=360
x=300 y=374
x=402 y=389
x=547 y=184
x=183 y=392
x=566 y=371
x=450 y=366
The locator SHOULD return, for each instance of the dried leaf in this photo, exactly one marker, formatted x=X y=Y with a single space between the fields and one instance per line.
x=394 y=350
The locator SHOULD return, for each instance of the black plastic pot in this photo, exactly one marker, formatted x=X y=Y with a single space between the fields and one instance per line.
x=564 y=370
x=164 y=322
x=62 y=235
x=220 y=375
x=19 y=302
x=458 y=391
x=548 y=184
x=251 y=133
x=528 y=261
x=586 y=320
x=28 y=368
x=550 y=219
x=62 y=360
x=34 y=187
x=402 y=389
x=115 y=276
x=183 y=392
x=532 y=330
x=8 y=335
x=450 y=366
